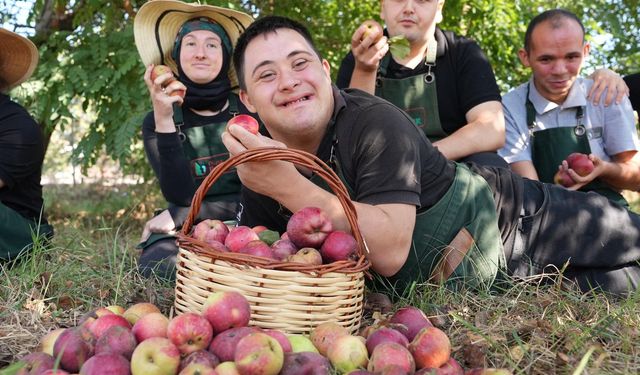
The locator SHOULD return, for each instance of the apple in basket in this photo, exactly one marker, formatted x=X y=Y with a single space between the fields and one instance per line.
x=210 y=230
x=306 y=255
x=339 y=245
x=282 y=248
x=308 y=227
x=238 y=237
x=257 y=248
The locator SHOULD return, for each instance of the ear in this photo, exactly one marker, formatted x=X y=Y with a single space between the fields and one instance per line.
x=439 y=11
x=524 y=57
x=326 y=67
x=244 y=98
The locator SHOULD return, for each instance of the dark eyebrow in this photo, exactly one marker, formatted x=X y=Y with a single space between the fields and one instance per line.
x=290 y=55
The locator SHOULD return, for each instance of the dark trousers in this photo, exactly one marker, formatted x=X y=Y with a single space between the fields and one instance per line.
x=597 y=240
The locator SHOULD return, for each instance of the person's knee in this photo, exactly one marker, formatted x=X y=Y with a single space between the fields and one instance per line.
x=159 y=259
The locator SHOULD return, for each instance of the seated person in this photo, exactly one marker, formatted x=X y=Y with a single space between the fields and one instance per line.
x=410 y=200
x=550 y=117
x=182 y=136
x=21 y=154
x=453 y=96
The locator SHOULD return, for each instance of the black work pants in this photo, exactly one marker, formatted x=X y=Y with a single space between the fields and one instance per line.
x=597 y=240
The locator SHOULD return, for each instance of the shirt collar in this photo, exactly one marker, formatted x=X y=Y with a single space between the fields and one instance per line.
x=577 y=97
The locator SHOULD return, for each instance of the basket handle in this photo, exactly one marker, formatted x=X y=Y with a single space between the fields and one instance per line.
x=298 y=157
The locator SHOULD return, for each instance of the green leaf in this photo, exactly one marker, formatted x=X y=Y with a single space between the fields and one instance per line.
x=13 y=368
x=399 y=46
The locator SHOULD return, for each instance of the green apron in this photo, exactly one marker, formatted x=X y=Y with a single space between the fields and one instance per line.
x=468 y=204
x=18 y=234
x=203 y=156
x=549 y=147
x=416 y=95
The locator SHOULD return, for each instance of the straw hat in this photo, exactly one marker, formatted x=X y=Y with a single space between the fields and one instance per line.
x=18 y=59
x=158 y=22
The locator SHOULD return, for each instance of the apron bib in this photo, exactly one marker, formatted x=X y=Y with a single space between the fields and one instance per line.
x=416 y=95
x=549 y=147
x=203 y=156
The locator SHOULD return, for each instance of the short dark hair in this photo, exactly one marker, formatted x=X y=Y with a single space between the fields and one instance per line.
x=265 y=25
x=556 y=17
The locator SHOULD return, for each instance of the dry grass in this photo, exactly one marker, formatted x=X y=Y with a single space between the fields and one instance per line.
x=532 y=327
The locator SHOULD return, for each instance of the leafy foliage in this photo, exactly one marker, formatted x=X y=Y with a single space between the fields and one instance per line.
x=88 y=56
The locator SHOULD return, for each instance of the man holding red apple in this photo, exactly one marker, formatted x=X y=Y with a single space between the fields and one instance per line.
x=550 y=117
x=424 y=217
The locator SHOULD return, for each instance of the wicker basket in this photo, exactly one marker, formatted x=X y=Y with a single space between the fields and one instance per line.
x=291 y=297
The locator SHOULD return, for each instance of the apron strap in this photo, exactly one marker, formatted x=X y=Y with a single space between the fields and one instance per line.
x=178 y=120
x=429 y=61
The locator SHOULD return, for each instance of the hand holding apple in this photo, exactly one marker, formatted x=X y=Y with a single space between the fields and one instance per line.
x=245 y=121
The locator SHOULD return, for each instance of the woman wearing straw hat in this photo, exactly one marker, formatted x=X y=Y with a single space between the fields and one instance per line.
x=182 y=135
x=21 y=153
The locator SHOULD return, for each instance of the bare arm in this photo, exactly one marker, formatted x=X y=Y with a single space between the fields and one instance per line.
x=609 y=81
x=484 y=131
x=525 y=168
x=387 y=228
x=623 y=172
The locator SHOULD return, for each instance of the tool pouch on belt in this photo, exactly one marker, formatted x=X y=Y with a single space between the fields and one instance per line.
x=457 y=241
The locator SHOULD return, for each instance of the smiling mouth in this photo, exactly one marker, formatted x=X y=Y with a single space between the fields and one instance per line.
x=302 y=99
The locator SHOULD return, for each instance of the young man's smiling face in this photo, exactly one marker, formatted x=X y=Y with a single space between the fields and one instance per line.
x=287 y=85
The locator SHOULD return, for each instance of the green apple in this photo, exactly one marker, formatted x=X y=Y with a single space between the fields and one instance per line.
x=155 y=356
x=301 y=343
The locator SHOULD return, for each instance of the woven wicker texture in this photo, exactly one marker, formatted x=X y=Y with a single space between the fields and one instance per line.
x=287 y=296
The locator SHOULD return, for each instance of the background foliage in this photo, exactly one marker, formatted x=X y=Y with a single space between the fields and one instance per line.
x=90 y=73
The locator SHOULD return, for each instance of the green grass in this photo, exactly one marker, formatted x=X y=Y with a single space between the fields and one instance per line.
x=529 y=328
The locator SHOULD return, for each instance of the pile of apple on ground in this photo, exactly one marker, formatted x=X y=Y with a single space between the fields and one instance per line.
x=309 y=239
x=142 y=341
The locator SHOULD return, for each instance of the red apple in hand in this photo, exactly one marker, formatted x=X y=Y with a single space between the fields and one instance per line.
x=159 y=70
x=309 y=227
x=563 y=178
x=580 y=163
x=249 y=123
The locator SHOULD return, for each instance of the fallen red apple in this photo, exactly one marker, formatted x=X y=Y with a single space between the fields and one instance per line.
x=282 y=338
x=156 y=355
x=138 y=310
x=259 y=354
x=150 y=325
x=226 y=309
x=430 y=348
x=305 y=363
x=411 y=317
x=106 y=363
x=117 y=339
x=580 y=163
x=308 y=227
x=339 y=245
x=202 y=357
x=385 y=334
x=74 y=347
x=452 y=367
x=324 y=335
x=391 y=354
x=224 y=344
x=47 y=341
x=103 y=323
x=189 y=332
x=36 y=363
x=347 y=354
x=247 y=122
